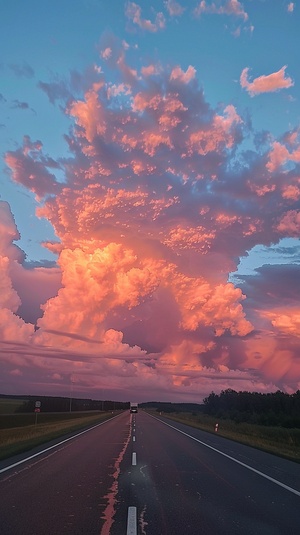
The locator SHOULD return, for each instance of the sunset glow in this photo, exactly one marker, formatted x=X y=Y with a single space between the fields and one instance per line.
x=147 y=193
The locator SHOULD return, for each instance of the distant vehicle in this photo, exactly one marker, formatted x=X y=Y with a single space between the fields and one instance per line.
x=133 y=407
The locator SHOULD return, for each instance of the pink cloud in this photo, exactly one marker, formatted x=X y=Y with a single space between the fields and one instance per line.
x=106 y=53
x=185 y=77
x=227 y=7
x=89 y=114
x=280 y=155
x=134 y=13
x=174 y=8
x=150 y=70
x=16 y=372
x=291 y=192
x=12 y=327
x=219 y=135
x=116 y=90
x=8 y=233
x=9 y=298
x=286 y=321
x=34 y=287
x=266 y=83
x=272 y=360
x=196 y=238
x=289 y=224
x=150 y=220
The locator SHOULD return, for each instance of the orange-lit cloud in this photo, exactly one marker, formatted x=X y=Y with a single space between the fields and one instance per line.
x=280 y=155
x=155 y=209
x=185 y=77
x=266 y=83
x=289 y=225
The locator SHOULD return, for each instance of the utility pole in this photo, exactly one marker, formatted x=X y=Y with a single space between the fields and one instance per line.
x=71 y=393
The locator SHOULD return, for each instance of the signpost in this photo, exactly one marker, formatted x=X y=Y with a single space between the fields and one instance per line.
x=37 y=409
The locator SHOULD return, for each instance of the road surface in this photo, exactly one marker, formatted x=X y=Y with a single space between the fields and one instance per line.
x=140 y=475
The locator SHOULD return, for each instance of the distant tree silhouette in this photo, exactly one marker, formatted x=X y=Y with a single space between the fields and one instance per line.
x=276 y=409
x=64 y=404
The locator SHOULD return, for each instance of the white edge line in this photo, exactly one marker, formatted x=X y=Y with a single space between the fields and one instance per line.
x=131 y=521
x=54 y=446
x=290 y=489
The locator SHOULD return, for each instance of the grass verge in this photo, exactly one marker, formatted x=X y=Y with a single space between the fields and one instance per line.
x=14 y=440
x=276 y=440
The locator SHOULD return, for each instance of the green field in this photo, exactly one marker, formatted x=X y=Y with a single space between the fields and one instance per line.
x=10 y=406
x=22 y=432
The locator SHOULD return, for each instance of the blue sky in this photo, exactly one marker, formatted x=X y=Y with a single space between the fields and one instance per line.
x=46 y=41
x=86 y=86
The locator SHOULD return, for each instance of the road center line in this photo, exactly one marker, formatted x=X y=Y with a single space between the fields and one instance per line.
x=134 y=459
x=55 y=445
x=290 y=489
x=111 y=497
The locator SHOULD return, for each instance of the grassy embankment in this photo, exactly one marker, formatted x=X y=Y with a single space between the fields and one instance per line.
x=277 y=440
x=22 y=432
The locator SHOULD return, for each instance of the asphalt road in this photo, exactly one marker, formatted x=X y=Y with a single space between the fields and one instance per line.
x=139 y=475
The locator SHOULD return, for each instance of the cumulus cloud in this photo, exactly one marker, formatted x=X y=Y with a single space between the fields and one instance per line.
x=11 y=326
x=152 y=215
x=266 y=83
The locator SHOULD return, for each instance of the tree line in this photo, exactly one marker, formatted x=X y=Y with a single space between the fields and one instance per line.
x=271 y=409
x=65 y=404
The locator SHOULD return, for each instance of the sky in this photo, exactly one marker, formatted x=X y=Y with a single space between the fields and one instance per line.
x=149 y=198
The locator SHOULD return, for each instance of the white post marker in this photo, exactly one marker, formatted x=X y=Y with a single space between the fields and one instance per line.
x=131 y=521
x=37 y=409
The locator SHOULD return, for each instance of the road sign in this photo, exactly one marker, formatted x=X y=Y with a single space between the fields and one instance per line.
x=37 y=410
x=38 y=404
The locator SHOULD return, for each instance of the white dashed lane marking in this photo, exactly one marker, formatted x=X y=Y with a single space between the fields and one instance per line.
x=131 y=521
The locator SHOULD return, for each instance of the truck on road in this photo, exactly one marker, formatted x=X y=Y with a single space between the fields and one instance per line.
x=133 y=406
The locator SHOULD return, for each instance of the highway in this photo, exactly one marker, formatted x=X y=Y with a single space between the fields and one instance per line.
x=145 y=475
